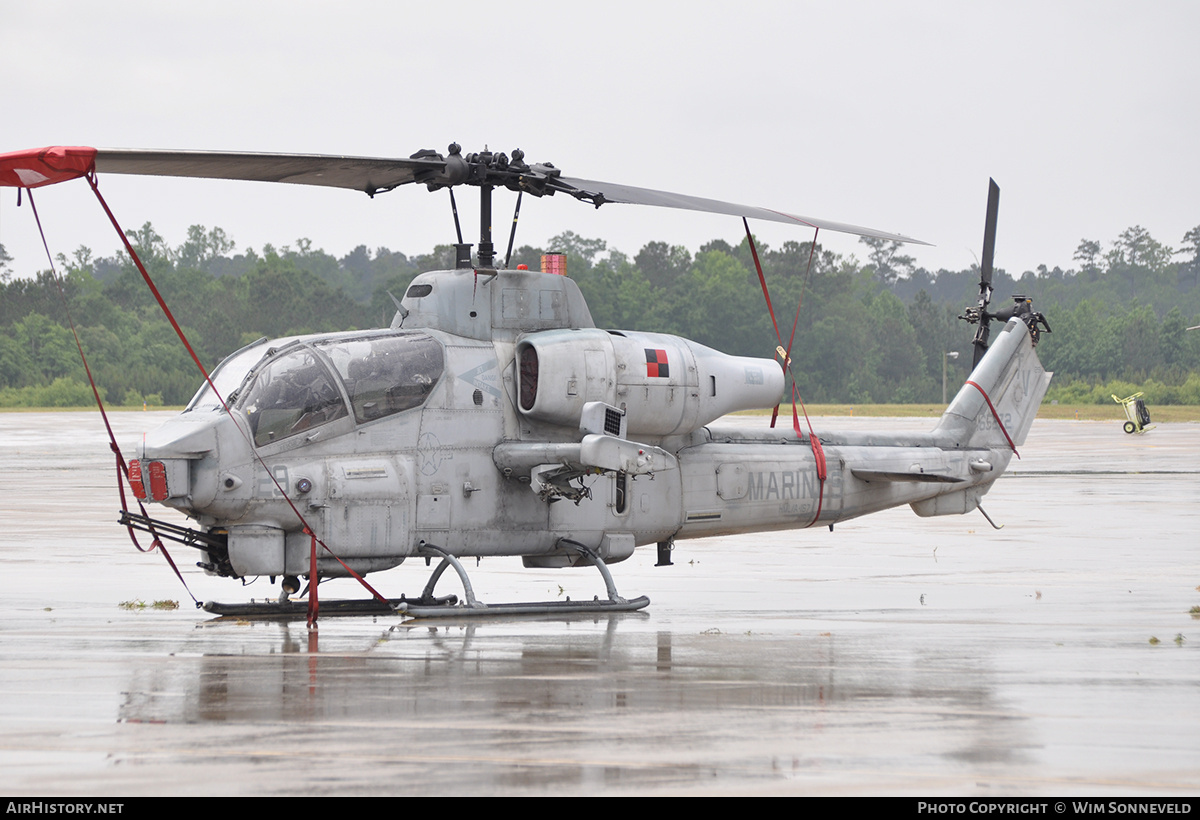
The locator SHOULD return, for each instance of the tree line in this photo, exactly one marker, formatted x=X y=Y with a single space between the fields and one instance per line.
x=873 y=330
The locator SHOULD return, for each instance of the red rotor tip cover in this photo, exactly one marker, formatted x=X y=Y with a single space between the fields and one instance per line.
x=36 y=167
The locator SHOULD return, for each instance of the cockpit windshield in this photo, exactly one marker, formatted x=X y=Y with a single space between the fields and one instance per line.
x=290 y=394
x=296 y=390
x=230 y=373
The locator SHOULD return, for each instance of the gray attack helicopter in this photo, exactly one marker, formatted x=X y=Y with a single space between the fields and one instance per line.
x=493 y=418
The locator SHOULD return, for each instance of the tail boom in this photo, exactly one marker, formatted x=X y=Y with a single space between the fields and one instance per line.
x=743 y=480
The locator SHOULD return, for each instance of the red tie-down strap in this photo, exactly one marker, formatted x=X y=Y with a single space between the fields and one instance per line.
x=786 y=357
x=36 y=167
x=91 y=179
x=996 y=416
x=122 y=468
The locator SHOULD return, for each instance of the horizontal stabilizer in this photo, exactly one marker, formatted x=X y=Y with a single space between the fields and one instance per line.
x=917 y=476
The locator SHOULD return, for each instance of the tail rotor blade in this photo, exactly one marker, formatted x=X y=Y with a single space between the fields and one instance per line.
x=983 y=333
x=989 y=235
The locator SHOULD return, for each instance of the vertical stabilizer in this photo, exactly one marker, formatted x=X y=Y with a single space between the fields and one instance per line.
x=997 y=405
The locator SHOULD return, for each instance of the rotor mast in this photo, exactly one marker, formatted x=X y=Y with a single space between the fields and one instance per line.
x=486 y=170
x=487 y=254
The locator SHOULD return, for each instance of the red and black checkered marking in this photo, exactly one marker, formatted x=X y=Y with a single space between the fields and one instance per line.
x=656 y=364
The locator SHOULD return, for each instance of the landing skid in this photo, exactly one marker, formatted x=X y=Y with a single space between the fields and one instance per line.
x=567 y=607
x=298 y=610
x=447 y=606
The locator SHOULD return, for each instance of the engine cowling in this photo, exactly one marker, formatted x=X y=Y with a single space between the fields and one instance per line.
x=665 y=384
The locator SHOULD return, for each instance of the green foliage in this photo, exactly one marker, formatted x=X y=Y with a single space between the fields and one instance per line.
x=1156 y=391
x=5 y=261
x=135 y=399
x=62 y=392
x=876 y=332
x=885 y=260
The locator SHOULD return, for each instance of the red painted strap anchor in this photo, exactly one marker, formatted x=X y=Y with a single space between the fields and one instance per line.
x=995 y=415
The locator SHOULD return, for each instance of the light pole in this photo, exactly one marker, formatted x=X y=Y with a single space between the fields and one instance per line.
x=946 y=355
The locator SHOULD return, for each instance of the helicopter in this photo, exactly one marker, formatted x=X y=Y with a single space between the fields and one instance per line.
x=493 y=418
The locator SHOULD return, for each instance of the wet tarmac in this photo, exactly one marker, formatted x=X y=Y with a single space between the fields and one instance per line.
x=896 y=655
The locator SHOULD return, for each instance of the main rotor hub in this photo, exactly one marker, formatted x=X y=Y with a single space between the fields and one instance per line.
x=495 y=170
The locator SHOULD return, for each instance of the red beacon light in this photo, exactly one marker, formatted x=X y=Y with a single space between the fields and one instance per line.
x=554 y=263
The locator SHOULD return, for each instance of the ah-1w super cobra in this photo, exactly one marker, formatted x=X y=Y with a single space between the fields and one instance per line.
x=492 y=418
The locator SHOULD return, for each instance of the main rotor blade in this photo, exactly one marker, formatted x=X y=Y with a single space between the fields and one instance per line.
x=611 y=192
x=989 y=234
x=372 y=174
x=366 y=174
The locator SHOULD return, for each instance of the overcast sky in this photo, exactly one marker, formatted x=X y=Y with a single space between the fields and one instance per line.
x=885 y=114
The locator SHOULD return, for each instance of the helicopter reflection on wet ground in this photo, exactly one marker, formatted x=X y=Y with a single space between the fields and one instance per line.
x=894 y=655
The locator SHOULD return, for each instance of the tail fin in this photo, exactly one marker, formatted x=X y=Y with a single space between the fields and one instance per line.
x=997 y=405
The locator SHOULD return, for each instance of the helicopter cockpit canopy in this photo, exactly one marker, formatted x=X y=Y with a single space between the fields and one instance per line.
x=286 y=389
x=383 y=375
x=291 y=393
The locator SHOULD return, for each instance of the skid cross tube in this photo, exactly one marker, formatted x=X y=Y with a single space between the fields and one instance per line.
x=429 y=607
x=448 y=560
x=595 y=561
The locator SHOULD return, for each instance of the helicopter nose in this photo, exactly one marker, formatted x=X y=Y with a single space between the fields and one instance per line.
x=187 y=436
x=161 y=473
x=171 y=467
